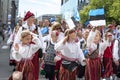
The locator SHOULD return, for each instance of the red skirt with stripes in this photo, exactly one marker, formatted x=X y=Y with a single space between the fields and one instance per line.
x=108 y=69
x=31 y=68
x=65 y=74
x=93 y=69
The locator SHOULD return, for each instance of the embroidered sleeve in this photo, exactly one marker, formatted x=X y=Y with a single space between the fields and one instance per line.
x=90 y=38
x=59 y=46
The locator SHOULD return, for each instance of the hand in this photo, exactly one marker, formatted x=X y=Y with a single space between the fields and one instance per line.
x=117 y=63
x=40 y=60
x=16 y=46
x=94 y=28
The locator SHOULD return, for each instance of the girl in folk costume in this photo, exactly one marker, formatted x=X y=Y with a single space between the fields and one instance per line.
x=96 y=48
x=50 y=55
x=107 y=56
x=116 y=55
x=24 y=53
x=71 y=53
x=29 y=25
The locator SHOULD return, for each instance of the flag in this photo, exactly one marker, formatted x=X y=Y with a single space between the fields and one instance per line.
x=76 y=15
x=70 y=23
x=97 y=17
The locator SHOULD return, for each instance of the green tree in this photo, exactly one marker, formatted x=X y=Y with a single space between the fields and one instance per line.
x=112 y=9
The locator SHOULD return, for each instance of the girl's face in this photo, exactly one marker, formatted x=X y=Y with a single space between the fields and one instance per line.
x=27 y=39
x=97 y=37
x=85 y=35
x=72 y=35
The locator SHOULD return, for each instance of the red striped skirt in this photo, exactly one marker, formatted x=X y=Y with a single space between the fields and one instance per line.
x=31 y=68
x=108 y=69
x=93 y=69
x=65 y=74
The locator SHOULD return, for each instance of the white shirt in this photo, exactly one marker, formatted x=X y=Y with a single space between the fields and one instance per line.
x=70 y=50
x=115 y=51
x=31 y=28
x=26 y=51
x=92 y=46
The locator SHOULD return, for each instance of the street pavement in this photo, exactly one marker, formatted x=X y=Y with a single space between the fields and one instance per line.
x=5 y=69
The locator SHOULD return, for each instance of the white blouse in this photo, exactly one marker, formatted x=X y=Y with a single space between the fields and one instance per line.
x=115 y=51
x=31 y=28
x=26 y=51
x=92 y=46
x=70 y=50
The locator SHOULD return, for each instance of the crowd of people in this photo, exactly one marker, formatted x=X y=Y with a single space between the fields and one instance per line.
x=87 y=53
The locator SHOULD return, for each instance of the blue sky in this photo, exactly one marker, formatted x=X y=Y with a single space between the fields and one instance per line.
x=39 y=7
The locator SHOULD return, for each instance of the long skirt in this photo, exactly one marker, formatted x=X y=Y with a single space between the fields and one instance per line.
x=35 y=62
x=65 y=74
x=30 y=68
x=108 y=69
x=93 y=69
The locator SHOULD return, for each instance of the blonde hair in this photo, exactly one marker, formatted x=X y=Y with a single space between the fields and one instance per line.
x=56 y=26
x=69 y=31
x=24 y=34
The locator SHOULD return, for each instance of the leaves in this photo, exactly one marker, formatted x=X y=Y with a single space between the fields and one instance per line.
x=112 y=9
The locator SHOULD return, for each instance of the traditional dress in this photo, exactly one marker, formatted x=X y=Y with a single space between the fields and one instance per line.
x=70 y=51
x=93 y=66
x=27 y=55
x=107 y=61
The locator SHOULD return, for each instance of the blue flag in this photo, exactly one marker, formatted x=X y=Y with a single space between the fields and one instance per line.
x=76 y=15
x=95 y=12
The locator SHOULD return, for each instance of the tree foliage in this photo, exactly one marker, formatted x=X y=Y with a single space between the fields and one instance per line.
x=112 y=10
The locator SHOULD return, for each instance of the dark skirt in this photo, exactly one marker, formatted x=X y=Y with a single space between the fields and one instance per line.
x=50 y=71
x=107 y=65
x=65 y=74
x=81 y=71
x=93 y=69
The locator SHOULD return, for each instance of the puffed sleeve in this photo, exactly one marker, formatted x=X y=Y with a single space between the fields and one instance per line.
x=115 y=50
x=59 y=46
x=90 y=37
x=37 y=42
x=102 y=46
x=15 y=54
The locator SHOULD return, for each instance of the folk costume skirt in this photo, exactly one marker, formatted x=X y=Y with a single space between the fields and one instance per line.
x=108 y=69
x=31 y=68
x=65 y=74
x=93 y=69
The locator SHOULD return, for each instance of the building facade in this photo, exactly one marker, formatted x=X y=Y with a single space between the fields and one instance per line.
x=8 y=11
x=57 y=17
